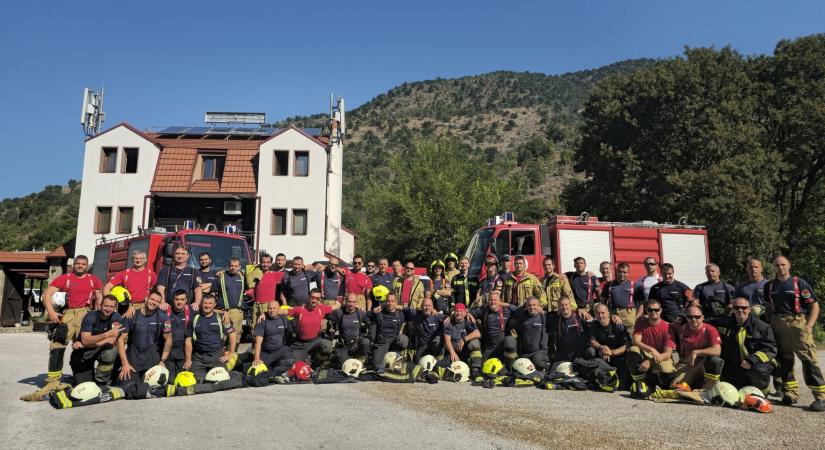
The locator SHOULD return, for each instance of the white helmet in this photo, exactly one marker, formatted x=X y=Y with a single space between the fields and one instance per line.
x=85 y=391
x=428 y=363
x=217 y=374
x=524 y=366
x=750 y=390
x=565 y=368
x=460 y=371
x=156 y=376
x=352 y=367
x=393 y=361
x=59 y=299
x=724 y=393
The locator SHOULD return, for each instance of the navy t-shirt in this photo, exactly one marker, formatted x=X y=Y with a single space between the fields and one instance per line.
x=349 y=324
x=426 y=327
x=583 y=287
x=174 y=279
x=207 y=279
x=178 y=321
x=208 y=332
x=145 y=331
x=623 y=294
x=93 y=322
x=273 y=331
x=531 y=330
x=459 y=330
x=233 y=286
x=753 y=291
x=672 y=297
x=784 y=296
x=713 y=297
x=614 y=335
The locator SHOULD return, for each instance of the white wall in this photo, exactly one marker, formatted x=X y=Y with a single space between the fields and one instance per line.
x=113 y=189
x=291 y=192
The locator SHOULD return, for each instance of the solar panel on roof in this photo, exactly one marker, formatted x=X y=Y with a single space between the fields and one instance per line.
x=220 y=130
x=197 y=130
x=173 y=130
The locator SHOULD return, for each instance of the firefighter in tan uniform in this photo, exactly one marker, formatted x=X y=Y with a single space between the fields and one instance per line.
x=526 y=285
x=793 y=311
x=555 y=286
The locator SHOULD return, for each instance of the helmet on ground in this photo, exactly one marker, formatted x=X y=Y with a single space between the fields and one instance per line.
x=450 y=256
x=156 y=376
x=352 y=367
x=608 y=381
x=85 y=391
x=185 y=379
x=459 y=371
x=757 y=310
x=59 y=299
x=682 y=386
x=393 y=361
x=257 y=370
x=523 y=366
x=437 y=263
x=750 y=390
x=724 y=393
x=300 y=371
x=120 y=293
x=565 y=368
x=492 y=366
x=428 y=362
x=640 y=389
x=379 y=293
x=217 y=374
x=756 y=403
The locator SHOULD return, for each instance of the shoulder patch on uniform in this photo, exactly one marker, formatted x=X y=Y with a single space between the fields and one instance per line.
x=806 y=293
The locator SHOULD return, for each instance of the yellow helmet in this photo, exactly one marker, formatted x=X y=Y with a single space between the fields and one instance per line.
x=450 y=256
x=435 y=263
x=257 y=370
x=185 y=379
x=285 y=308
x=380 y=292
x=120 y=293
x=492 y=366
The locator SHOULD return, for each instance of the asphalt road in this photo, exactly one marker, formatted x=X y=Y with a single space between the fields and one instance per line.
x=382 y=415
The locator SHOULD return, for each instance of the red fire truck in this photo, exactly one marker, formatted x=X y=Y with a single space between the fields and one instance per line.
x=159 y=244
x=564 y=238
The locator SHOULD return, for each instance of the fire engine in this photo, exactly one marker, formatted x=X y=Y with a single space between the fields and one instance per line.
x=112 y=256
x=564 y=238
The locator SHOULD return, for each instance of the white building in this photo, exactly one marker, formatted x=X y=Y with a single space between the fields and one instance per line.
x=281 y=188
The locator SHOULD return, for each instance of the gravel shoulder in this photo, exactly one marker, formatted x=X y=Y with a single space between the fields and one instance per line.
x=379 y=415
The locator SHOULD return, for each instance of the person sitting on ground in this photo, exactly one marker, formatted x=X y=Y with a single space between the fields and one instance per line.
x=652 y=350
x=700 y=348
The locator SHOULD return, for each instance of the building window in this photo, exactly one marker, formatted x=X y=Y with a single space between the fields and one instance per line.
x=281 y=163
x=299 y=221
x=124 y=220
x=278 y=222
x=103 y=220
x=212 y=167
x=108 y=160
x=130 y=160
x=301 y=164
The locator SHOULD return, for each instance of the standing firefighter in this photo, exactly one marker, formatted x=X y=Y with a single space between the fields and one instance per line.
x=526 y=284
x=464 y=286
x=793 y=309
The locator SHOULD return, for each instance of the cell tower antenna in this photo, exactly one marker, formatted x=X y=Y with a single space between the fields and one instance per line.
x=91 y=114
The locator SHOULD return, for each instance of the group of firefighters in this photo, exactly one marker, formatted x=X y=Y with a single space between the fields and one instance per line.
x=579 y=329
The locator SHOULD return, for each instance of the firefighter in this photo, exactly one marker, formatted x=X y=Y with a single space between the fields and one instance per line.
x=440 y=286
x=270 y=347
x=584 y=285
x=526 y=284
x=231 y=285
x=309 y=341
x=451 y=261
x=606 y=269
x=753 y=289
x=506 y=279
x=139 y=280
x=464 y=286
x=461 y=339
x=297 y=284
x=793 y=310
x=180 y=314
x=358 y=283
x=555 y=285
x=332 y=284
x=530 y=325
x=146 y=332
x=99 y=333
x=264 y=286
x=207 y=277
x=205 y=334
x=568 y=332
x=408 y=289
x=673 y=295
x=714 y=295
x=609 y=341
x=651 y=277
x=622 y=296
x=491 y=281
x=427 y=329
x=385 y=330
x=255 y=274
x=493 y=318
x=700 y=348
x=748 y=347
x=652 y=350
x=179 y=276
x=82 y=290
x=348 y=325
x=382 y=276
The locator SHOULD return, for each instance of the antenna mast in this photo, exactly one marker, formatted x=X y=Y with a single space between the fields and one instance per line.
x=91 y=114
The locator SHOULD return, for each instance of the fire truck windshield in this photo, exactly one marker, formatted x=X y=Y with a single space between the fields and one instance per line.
x=477 y=249
x=219 y=248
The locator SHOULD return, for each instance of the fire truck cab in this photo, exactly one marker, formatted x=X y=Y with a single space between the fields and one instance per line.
x=565 y=238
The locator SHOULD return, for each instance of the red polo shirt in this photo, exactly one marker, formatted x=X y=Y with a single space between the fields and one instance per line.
x=267 y=288
x=309 y=321
x=138 y=283
x=80 y=291
x=357 y=283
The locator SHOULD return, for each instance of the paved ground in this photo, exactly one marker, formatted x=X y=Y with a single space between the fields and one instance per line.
x=381 y=415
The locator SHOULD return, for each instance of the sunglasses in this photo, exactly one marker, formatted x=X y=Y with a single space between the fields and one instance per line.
x=654 y=310
x=370 y=266
x=742 y=308
x=650 y=264
x=410 y=268
x=694 y=317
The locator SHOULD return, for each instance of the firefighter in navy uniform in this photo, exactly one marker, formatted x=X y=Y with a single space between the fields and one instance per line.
x=793 y=311
x=461 y=338
x=493 y=322
x=674 y=295
x=427 y=329
x=205 y=335
x=714 y=295
x=463 y=285
x=748 y=347
x=584 y=285
x=149 y=339
x=569 y=333
x=622 y=296
x=491 y=281
x=180 y=314
x=347 y=325
x=97 y=344
x=270 y=347
x=530 y=325
x=754 y=288
x=231 y=287
x=385 y=330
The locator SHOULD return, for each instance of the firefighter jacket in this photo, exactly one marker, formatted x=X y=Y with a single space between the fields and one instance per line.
x=416 y=292
x=465 y=289
x=555 y=285
x=753 y=341
x=526 y=286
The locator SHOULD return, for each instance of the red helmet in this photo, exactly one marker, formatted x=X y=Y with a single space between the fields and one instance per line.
x=300 y=371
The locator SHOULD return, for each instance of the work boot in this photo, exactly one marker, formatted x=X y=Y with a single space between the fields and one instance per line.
x=789 y=400
x=818 y=405
x=709 y=384
x=42 y=393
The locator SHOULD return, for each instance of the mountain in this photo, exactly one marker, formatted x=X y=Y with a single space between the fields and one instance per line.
x=42 y=220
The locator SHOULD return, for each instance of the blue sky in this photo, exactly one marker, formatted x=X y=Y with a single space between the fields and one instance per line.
x=165 y=63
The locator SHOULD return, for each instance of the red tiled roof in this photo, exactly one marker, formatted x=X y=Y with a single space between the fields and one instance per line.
x=174 y=170
x=23 y=257
x=178 y=158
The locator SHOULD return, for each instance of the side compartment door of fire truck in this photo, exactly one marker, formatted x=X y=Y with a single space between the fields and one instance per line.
x=687 y=250
x=593 y=243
